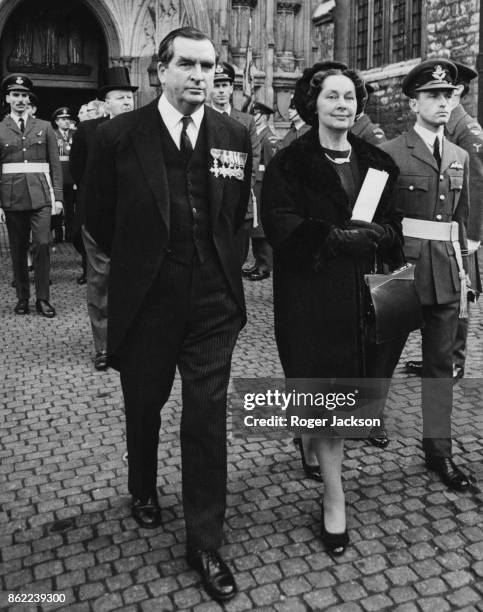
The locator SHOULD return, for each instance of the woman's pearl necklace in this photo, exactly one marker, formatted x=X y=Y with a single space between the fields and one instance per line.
x=340 y=160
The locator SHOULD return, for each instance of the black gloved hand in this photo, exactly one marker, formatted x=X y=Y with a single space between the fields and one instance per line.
x=351 y=241
x=385 y=234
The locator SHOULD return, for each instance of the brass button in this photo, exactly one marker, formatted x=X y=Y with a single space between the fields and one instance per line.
x=441 y=197
x=24 y=149
x=194 y=211
x=441 y=177
x=411 y=187
x=439 y=217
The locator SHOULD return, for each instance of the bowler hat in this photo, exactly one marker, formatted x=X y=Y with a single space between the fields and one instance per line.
x=224 y=72
x=437 y=73
x=116 y=77
x=263 y=109
x=16 y=82
x=62 y=112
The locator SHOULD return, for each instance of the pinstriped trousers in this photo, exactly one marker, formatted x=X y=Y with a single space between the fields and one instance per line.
x=190 y=320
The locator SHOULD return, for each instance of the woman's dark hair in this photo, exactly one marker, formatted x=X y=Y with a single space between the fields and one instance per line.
x=308 y=88
x=166 y=46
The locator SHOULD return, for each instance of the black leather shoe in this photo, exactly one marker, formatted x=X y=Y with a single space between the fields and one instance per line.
x=450 y=474
x=100 y=361
x=311 y=471
x=216 y=576
x=258 y=276
x=247 y=271
x=378 y=437
x=22 y=307
x=45 y=309
x=458 y=371
x=82 y=280
x=335 y=543
x=414 y=367
x=146 y=512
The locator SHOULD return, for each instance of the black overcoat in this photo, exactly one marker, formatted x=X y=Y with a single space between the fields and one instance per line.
x=318 y=297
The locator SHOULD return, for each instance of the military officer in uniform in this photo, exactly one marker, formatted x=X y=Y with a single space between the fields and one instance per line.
x=262 y=251
x=61 y=118
x=363 y=126
x=31 y=189
x=297 y=128
x=220 y=97
x=465 y=131
x=433 y=196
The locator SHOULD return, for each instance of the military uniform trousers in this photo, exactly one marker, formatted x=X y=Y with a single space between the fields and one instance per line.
x=189 y=319
x=19 y=225
x=97 y=288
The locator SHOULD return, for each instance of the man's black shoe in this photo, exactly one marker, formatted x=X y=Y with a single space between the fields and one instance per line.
x=258 y=275
x=45 y=309
x=247 y=271
x=414 y=367
x=22 y=307
x=146 y=512
x=100 y=360
x=82 y=280
x=450 y=474
x=458 y=371
x=216 y=576
x=378 y=437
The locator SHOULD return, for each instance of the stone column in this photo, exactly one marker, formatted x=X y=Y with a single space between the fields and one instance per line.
x=285 y=35
x=240 y=20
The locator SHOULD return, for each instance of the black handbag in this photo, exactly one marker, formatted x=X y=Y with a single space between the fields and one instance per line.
x=393 y=305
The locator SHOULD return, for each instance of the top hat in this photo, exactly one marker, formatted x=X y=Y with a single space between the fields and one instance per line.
x=62 y=112
x=116 y=77
x=224 y=72
x=437 y=73
x=263 y=109
x=16 y=82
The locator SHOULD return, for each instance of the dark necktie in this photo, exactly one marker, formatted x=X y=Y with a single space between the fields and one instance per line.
x=185 y=145
x=436 y=152
x=22 y=124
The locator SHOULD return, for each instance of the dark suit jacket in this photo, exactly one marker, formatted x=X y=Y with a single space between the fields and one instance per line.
x=127 y=206
x=26 y=191
x=426 y=192
x=81 y=146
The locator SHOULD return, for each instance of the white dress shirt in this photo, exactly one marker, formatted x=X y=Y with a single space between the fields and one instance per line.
x=173 y=120
x=17 y=118
x=429 y=137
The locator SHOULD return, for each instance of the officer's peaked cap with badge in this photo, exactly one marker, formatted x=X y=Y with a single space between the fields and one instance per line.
x=34 y=100
x=263 y=109
x=16 y=82
x=436 y=73
x=63 y=112
x=224 y=72
x=116 y=77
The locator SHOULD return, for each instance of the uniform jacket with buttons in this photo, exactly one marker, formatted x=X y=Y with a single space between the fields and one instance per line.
x=38 y=144
x=368 y=131
x=467 y=133
x=64 y=144
x=441 y=195
x=268 y=147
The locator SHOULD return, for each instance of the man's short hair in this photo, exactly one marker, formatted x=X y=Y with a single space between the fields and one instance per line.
x=166 y=46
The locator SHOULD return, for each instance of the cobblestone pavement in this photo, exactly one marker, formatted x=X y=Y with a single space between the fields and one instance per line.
x=65 y=525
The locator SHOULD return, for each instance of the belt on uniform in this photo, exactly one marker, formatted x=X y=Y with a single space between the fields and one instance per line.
x=31 y=168
x=447 y=232
x=64 y=158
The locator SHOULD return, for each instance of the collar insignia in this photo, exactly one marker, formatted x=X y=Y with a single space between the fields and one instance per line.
x=439 y=73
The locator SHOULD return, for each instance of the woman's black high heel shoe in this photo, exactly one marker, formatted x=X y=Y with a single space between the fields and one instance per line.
x=336 y=543
x=311 y=471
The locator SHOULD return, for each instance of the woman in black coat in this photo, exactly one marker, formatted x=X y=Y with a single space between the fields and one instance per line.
x=320 y=256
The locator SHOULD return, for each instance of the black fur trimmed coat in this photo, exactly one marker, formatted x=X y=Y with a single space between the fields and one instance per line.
x=318 y=297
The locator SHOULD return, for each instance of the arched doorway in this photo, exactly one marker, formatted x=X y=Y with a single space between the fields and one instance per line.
x=62 y=48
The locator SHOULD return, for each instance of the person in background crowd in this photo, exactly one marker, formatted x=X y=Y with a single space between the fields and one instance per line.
x=31 y=189
x=220 y=100
x=61 y=119
x=364 y=128
x=262 y=251
x=167 y=218
x=95 y=109
x=433 y=194
x=32 y=105
x=321 y=256
x=118 y=95
x=298 y=127
x=82 y=114
x=467 y=133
